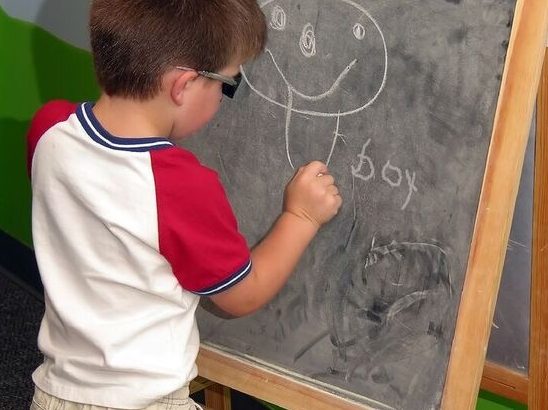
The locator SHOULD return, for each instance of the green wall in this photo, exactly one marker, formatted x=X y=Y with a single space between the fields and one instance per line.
x=35 y=67
x=489 y=401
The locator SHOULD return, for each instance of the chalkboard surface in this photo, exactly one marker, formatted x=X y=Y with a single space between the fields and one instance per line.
x=398 y=97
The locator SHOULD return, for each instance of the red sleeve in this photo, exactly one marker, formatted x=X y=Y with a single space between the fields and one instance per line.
x=46 y=117
x=198 y=232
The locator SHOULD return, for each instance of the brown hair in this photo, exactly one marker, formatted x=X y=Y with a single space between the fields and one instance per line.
x=134 y=42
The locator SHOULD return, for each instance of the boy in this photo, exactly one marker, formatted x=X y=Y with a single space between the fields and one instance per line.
x=129 y=229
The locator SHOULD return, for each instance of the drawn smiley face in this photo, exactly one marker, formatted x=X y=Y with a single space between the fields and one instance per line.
x=329 y=57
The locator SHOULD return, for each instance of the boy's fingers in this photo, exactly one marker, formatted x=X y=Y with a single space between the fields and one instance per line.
x=333 y=190
x=316 y=168
x=327 y=180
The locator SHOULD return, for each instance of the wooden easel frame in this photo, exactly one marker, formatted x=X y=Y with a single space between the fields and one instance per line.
x=501 y=182
x=538 y=344
x=532 y=388
x=493 y=220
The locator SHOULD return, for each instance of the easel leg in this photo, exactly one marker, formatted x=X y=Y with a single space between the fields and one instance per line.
x=538 y=351
x=217 y=397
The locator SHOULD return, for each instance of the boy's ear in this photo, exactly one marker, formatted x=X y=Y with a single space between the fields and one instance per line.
x=180 y=84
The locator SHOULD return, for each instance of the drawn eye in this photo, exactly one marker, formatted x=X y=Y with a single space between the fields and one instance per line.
x=308 y=41
x=278 y=18
x=359 y=31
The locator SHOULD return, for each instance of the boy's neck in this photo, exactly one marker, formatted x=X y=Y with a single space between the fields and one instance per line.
x=128 y=118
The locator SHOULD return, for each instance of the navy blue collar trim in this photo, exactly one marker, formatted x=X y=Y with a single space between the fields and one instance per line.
x=96 y=131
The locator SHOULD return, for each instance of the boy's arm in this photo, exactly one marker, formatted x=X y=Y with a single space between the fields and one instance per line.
x=311 y=199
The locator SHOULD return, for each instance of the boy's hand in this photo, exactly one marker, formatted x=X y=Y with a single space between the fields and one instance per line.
x=312 y=195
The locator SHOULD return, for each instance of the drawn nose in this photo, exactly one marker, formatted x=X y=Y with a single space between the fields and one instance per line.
x=307 y=41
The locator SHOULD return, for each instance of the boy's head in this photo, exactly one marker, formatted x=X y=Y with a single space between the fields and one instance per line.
x=135 y=42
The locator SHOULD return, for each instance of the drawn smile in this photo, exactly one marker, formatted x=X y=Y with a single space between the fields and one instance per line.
x=317 y=97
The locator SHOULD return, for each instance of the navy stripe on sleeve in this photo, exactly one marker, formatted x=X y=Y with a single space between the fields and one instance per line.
x=228 y=283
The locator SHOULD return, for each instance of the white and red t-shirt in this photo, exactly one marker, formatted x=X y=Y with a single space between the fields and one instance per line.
x=127 y=233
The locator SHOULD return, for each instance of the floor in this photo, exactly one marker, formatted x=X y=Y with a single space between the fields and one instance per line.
x=20 y=315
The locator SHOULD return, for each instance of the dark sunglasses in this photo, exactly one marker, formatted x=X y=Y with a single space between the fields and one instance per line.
x=230 y=84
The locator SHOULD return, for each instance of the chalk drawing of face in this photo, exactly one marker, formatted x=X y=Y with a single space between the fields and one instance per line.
x=323 y=59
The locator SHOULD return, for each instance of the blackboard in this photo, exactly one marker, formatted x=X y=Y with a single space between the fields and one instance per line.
x=399 y=98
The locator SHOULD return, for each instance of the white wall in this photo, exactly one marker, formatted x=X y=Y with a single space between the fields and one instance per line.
x=66 y=19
